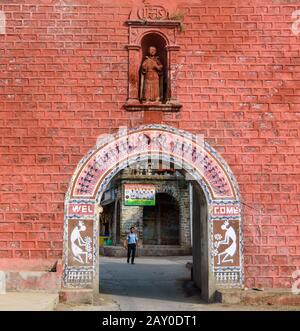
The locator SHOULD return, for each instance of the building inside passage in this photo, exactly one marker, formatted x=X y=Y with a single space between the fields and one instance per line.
x=163 y=228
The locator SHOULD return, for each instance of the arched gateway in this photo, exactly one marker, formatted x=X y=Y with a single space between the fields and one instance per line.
x=222 y=234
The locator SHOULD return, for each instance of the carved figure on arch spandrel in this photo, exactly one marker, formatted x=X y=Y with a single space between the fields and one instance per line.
x=151 y=77
x=80 y=243
x=227 y=243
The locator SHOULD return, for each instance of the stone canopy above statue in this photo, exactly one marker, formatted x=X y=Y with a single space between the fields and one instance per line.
x=152 y=53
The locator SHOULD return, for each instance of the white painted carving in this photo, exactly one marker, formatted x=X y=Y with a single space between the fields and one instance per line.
x=230 y=239
x=81 y=247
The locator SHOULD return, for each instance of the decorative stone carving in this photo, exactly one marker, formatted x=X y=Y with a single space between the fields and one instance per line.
x=153 y=13
x=150 y=26
x=151 y=77
x=226 y=243
x=80 y=243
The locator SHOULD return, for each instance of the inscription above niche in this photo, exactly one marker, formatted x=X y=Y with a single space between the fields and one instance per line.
x=152 y=60
x=153 y=13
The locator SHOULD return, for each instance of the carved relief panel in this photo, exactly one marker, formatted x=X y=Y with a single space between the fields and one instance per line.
x=152 y=53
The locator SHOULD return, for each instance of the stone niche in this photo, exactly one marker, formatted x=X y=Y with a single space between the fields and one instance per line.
x=151 y=26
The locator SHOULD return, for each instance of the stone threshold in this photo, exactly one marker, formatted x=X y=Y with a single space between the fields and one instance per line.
x=147 y=250
x=23 y=275
x=28 y=301
x=278 y=297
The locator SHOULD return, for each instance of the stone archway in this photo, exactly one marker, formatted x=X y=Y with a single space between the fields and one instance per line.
x=200 y=161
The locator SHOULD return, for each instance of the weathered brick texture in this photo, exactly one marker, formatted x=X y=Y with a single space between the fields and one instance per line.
x=63 y=81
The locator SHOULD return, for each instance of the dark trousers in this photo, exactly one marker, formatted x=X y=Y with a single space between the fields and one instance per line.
x=131 y=251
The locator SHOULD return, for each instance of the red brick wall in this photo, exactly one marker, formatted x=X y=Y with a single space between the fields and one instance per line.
x=63 y=81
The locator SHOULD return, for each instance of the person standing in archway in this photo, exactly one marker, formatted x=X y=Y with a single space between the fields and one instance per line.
x=132 y=241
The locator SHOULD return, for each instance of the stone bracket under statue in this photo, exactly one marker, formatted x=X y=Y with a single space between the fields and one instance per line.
x=152 y=82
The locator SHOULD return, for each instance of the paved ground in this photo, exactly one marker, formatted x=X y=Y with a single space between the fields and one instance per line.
x=28 y=301
x=152 y=284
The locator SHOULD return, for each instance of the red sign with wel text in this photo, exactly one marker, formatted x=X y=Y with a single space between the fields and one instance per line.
x=82 y=209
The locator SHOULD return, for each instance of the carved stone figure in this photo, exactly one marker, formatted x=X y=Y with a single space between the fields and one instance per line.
x=151 y=77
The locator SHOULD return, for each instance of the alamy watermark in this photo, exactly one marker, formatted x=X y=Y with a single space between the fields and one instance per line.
x=296 y=24
x=2 y=282
x=296 y=283
x=2 y=22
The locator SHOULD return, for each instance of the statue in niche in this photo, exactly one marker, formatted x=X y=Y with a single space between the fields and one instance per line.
x=151 y=81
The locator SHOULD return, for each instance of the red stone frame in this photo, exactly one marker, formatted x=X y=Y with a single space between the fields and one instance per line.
x=167 y=30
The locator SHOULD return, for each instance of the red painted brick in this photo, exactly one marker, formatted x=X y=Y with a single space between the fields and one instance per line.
x=63 y=81
x=279 y=259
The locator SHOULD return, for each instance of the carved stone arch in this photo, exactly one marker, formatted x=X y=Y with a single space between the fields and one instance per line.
x=171 y=191
x=196 y=157
x=153 y=31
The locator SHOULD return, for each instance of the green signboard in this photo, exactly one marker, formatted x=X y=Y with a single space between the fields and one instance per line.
x=139 y=195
